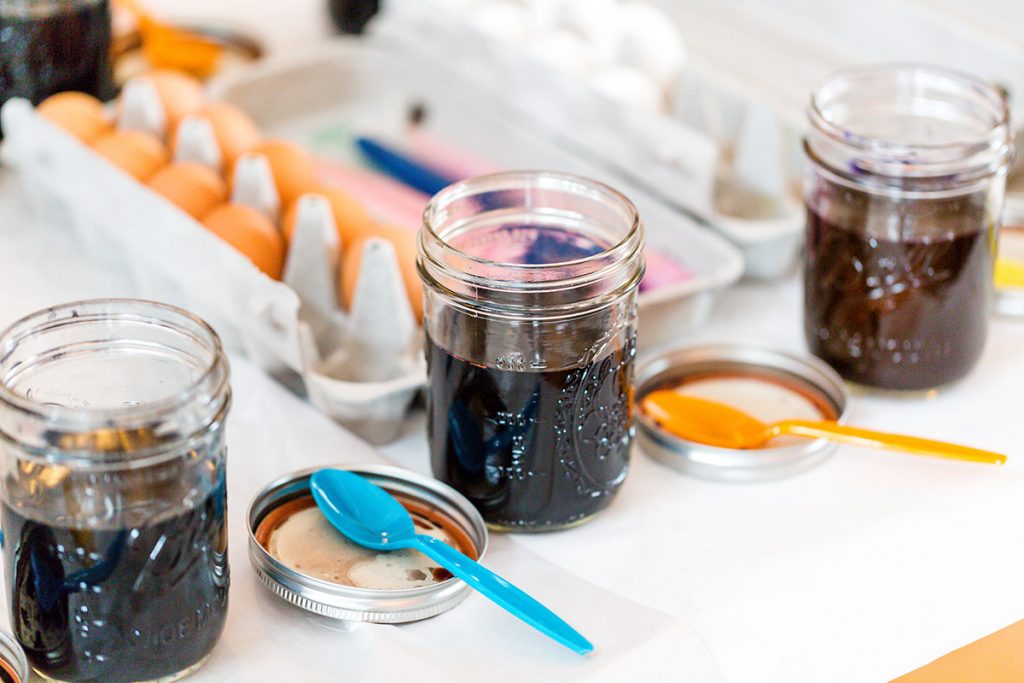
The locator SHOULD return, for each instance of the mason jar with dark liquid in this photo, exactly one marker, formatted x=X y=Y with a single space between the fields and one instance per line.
x=530 y=315
x=904 y=196
x=48 y=46
x=114 y=500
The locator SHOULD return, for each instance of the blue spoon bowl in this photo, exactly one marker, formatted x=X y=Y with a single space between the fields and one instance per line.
x=368 y=515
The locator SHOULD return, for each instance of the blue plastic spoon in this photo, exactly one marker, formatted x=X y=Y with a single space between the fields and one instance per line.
x=371 y=517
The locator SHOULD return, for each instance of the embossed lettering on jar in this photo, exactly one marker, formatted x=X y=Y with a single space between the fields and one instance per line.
x=530 y=314
x=903 y=199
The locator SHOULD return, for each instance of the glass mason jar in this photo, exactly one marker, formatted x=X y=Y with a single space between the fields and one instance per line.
x=905 y=190
x=114 y=500
x=48 y=46
x=530 y=314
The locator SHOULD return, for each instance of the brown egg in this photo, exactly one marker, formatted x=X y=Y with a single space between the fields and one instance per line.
x=293 y=168
x=139 y=154
x=251 y=233
x=350 y=218
x=404 y=242
x=180 y=94
x=79 y=114
x=195 y=188
x=235 y=130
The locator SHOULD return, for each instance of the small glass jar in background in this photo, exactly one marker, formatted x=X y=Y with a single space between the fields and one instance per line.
x=48 y=46
x=905 y=190
x=114 y=501
x=530 y=314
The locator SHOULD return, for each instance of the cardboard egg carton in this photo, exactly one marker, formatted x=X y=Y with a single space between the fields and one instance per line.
x=702 y=146
x=363 y=367
x=738 y=73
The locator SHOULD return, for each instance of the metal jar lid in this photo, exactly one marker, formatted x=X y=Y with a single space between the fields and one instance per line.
x=363 y=604
x=807 y=376
x=13 y=664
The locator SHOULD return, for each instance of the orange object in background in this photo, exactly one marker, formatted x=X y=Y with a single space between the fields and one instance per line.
x=137 y=153
x=235 y=130
x=179 y=93
x=168 y=47
x=193 y=187
x=251 y=233
x=80 y=114
x=996 y=658
x=350 y=218
x=404 y=243
x=293 y=168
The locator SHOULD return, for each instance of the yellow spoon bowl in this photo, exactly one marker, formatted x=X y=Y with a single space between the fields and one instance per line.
x=717 y=424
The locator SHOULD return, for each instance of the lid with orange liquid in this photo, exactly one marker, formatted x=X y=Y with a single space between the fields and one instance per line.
x=767 y=384
x=13 y=664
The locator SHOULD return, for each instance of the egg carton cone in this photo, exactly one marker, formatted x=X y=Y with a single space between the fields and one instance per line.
x=168 y=256
x=757 y=172
x=311 y=270
x=757 y=179
x=254 y=186
x=196 y=142
x=363 y=367
x=141 y=109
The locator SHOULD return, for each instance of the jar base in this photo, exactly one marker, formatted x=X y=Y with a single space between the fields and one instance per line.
x=858 y=389
x=507 y=529
x=166 y=679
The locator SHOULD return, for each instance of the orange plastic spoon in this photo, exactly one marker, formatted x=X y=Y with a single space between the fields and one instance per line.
x=717 y=424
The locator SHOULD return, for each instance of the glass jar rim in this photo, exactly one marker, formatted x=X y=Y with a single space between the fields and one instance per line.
x=21 y=328
x=463 y=188
x=961 y=157
x=875 y=71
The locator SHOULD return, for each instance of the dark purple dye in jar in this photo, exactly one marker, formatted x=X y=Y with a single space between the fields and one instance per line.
x=122 y=604
x=531 y=450
x=901 y=314
x=530 y=397
x=46 y=48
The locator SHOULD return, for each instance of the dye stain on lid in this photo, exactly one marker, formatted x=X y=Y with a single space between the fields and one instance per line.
x=301 y=558
x=299 y=535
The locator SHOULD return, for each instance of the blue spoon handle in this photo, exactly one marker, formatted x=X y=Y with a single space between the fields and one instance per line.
x=503 y=593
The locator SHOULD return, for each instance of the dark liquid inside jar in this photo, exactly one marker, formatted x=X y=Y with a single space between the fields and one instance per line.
x=123 y=604
x=46 y=48
x=531 y=450
x=890 y=312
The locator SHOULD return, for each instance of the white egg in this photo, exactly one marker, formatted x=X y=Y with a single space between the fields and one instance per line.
x=629 y=85
x=651 y=41
x=563 y=50
x=502 y=19
x=598 y=22
x=545 y=14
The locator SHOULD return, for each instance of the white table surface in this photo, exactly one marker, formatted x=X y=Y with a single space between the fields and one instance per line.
x=860 y=570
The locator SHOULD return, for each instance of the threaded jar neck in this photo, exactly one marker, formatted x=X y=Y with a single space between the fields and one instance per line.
x=908 y=128
x=528 y=244
x=110 y=381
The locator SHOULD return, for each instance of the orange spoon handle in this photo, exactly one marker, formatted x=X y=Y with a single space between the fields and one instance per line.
x=895 y=442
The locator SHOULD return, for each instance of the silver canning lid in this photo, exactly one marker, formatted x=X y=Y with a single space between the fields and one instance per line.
x=726 y=464
x=13 y=656
x=362 y=604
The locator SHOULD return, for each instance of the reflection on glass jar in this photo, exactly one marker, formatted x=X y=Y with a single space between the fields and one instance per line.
x=903 y=202
x=114 y=500
x=530 y=314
